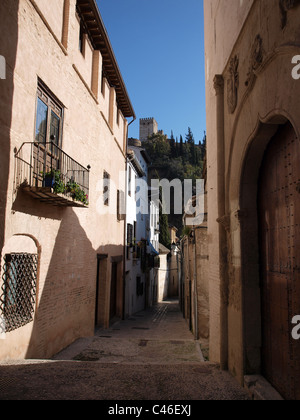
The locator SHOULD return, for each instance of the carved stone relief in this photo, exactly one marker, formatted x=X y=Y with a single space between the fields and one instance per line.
x=233 y=84
x=256 y=58
x=225 y=222
x=285 y=6
x=219 y=84
x=241 y=215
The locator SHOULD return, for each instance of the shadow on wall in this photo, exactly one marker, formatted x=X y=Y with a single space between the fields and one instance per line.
x=165 y=282
x=163 y=278
x=66 y=291
x=8 y=47
x=25 y=204
x=66 y=307
x=68 y=276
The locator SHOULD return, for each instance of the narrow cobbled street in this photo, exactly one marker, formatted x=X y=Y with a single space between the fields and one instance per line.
x=151 y=356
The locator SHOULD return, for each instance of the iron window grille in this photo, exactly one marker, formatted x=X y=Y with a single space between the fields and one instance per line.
x=106 y=188
x=19 y=286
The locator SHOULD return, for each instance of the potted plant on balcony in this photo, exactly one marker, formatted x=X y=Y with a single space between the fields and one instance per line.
x=76 y=192
x=49 y=179
x=54 y=180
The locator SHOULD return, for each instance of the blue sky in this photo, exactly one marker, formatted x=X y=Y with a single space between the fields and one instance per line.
x=159 y=46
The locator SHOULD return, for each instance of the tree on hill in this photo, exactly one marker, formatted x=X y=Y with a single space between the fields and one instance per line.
x=191 y=149
x=202 y=147
x=173 y=151
x=158 y=147
x=181 y=147
x=173 y=160
x=190 y=137
x=164 y=237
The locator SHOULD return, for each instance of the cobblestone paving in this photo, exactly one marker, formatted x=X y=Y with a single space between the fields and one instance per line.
x=151 y=356
x=158 y=335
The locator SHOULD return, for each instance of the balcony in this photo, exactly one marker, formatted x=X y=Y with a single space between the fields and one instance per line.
x=49 y=175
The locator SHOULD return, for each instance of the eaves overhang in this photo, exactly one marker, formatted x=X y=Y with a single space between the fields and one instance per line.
x=136 y=164
x=91 y=17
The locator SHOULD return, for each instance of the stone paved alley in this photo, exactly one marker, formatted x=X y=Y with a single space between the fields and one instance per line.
x=151 y=356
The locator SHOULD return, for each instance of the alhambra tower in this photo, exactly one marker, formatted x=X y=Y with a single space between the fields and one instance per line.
x=148 y=126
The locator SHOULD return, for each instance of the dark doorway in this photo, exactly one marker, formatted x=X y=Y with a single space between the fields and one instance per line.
x=113 y=290
x=101 y=290
x=279 y=223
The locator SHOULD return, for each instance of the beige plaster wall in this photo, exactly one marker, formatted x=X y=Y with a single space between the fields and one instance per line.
x=55 y=20
x=163 y=278
x=202 y=265
x=267 y=96
x=69 y=239
x=173 y=282
x=223 y=22
x=196 y=264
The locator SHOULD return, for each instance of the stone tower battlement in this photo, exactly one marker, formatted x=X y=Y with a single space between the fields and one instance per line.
x=148 y=126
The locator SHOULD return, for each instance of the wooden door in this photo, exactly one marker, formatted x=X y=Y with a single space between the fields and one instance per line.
x=279 y=216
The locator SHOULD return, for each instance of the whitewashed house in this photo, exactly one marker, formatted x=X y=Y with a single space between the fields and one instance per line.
x=140 y=287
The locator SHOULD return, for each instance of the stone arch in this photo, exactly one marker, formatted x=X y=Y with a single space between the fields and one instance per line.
x=249 y=235
x=267 y=103
x=261 y=104
x=23 y=243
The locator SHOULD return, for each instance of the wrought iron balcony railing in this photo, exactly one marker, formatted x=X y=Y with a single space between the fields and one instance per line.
x=48 y=174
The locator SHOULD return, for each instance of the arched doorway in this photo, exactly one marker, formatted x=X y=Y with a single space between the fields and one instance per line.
x=279 y=250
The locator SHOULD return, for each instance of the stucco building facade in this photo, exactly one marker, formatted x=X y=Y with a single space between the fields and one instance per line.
x=63 y=107
x=194 y=278
x=253 y=148
x=163 y=273
x=142 y=238
x=137 y=218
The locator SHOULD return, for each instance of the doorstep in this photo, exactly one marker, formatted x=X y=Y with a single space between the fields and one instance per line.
x=260 y=389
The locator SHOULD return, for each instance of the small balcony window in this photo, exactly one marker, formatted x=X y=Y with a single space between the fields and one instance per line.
x=43 y=169
x=82 y=38
x=49 y=117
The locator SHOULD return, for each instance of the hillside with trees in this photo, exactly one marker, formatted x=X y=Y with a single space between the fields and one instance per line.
x=175 y=159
